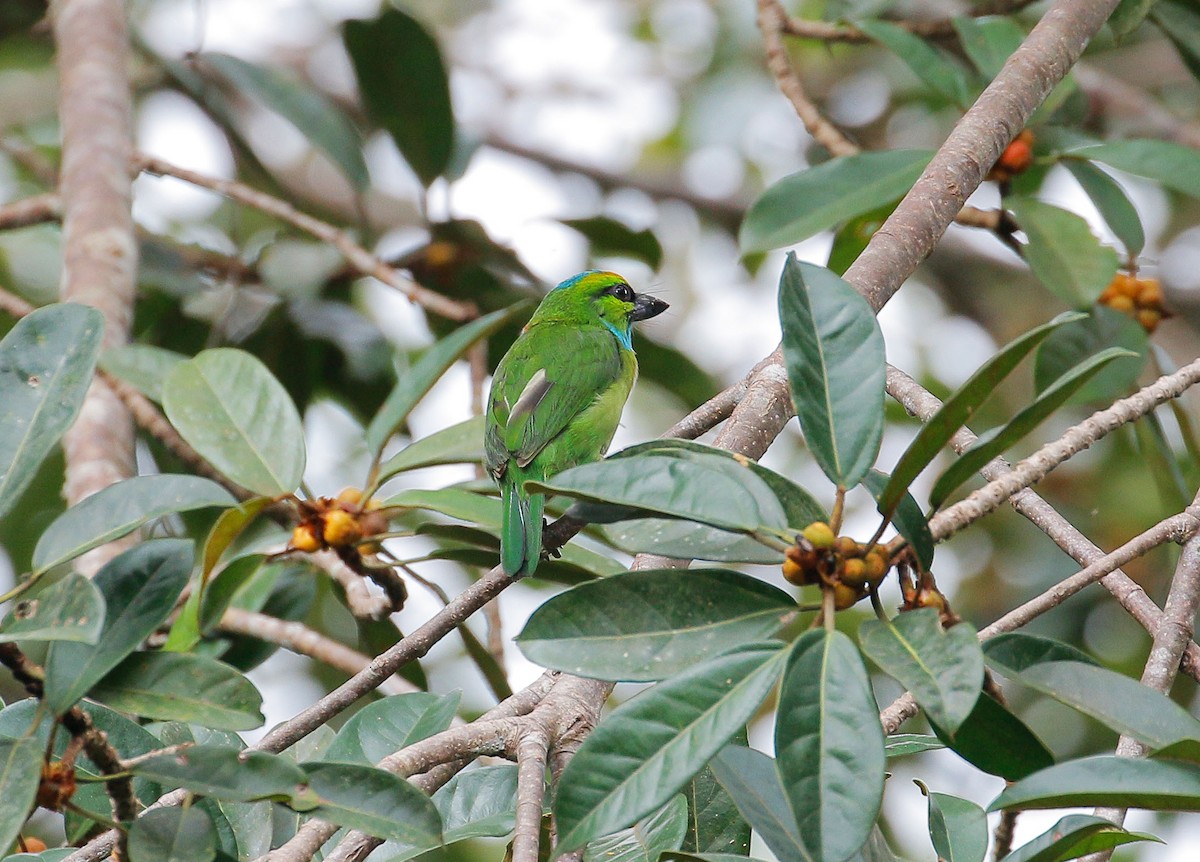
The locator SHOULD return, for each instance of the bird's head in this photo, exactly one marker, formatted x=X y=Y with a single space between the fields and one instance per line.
x=602 y=296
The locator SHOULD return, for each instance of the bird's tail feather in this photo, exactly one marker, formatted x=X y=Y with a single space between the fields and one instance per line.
x=521 y=537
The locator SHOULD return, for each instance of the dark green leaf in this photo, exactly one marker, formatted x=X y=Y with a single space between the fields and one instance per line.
x=943 y=668
x=227 y=773
x=649 y=625
x=852 y=237
x=753 y=782
x=1158 y=785
x=806 y=203
x=390 y=724
x=660 y=832
x=1112 y=202
x=478 y=803
x=20 y=773
x=222 y=589
x=904 y=744
x=1073 y=836
x=71 y=609
x=182 y=687
x=120 y=509
x=1180 y=22
x=1173 y=165
x=416 y=381
x=1084 y=338
x=373 y=801
x=404 y=88
x=1128 y=16
x=909 y=520
x=611 y=237
x=139 y=588
x=1063 y=252
x=715 y=826
x=992 y=444
x=461 y=443
x=829 y=744
x=1012 y=652
x=455 y=502
x=834 y=352
x=143 y=366
x=46 y=363
x=989 y=42
x=173 y=835
x=957 y=410
x=957 y=827
x=996 y=741
x=302 y=105
x=935 y=69
x=648 y=749
x=230 y=408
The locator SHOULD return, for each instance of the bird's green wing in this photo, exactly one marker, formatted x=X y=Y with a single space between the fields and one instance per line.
x=553 y=374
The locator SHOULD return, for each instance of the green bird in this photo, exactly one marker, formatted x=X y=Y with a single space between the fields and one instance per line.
x=557 y=397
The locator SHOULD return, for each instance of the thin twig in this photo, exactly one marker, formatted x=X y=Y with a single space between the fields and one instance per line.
x=359 y=599
x=937 y=29
x=38 y=209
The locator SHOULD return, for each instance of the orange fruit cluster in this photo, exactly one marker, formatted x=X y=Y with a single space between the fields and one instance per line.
x=839 y=562
x=339 y=522
x=57 y=785
x=1016 y=158
x=1140 y=298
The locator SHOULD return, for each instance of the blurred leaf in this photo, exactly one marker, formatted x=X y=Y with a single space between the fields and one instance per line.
x=226 y=404
x=70 y=609
x=222 y=589
x=142 y=366
x=1128 y=16
x=997 y=742
x=1073 y=836
x=989 y=42
x=20 y=774
x=1180 y=22
x=1156 y=785
x=181 y=687
x=610 y=237
x=957 y=827
x=461 y=443
x=46 y=363
x=226 y=772
x=829 y=744
x=1081 y=339
x=675 y=372
x=661 y=739
x=373 y=801
x=418 y=380
x=1012 y=652
x=935 y=69
x=834 y=353
x=388 y=725
x=1175 y=166
x=1062 y=251
x=120 y=509
x=1161 y=462
x=404 y=88
x=1112 y=203
x=646 y=840
x=752 y=780
x=650 y=625
x=909 y=520
x=957 y=410
x=173 y=835
x=139 y=588
x=904 y=744
x=943 y=668
x=818 y=198
x=302 y=105
x=989 y=445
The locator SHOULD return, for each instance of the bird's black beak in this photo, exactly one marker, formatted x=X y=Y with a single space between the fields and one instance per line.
x=646 y=306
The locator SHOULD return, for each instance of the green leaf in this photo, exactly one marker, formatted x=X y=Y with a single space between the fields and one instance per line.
x=70 y=609
x=223 y=588
x=649 y=625
x=646 y=840
x=478 y=803
x=943 y=668
x=904 y=744
x=1114 y=699
x=182 y=687
x=1128 y=16
x=302 y=105
x=227 y=773
x=1112 y=202
x=404 y=88
x=1012 y=652
x=139 y=588
x=805 y=203
x=1180 y=23
x=610 y=237
x=46 y=363
x=229 y=407
x=388 y=725
x=1073 y=836
x=1128 y=782
x=1084 y=338
x=909 y=520
x=1063 y=253
x=829 y=745
x=649 y=748
x=418 y=380
x=715 y=826
x=834 y=353
x=142 y=366
x=957 y=827
x=1175 y=166
x=853 y=236
x=20 y=774
x=933 y=68
x=989 y=445
x=989 y=42
x=752 y=780
x=373 y=801
x=958 y=409
x=461 y=443
x=996 y=741
x=173 y=835
x=120 y=509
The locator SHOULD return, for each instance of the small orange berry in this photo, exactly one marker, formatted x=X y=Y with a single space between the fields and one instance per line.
x=1121 y=303
x=845 y=596
x=304 y=538
x=349 y=499
x=793 y=573
x=1149 y=318
x=854 y=573
x=341 y=528
x=820 y=535
x=1150 y=294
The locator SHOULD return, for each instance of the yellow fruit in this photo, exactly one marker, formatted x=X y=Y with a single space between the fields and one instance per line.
x=876 y=565
x=845 y=596
x=304 y=538
x=32 y=845
x=341 y=528
x=819 y=535
x=847 y=547
x=1149 y=293
x=1149 y=318
x=793 y=573
x=854 y=573
x=1121 y=303
x=349 y=498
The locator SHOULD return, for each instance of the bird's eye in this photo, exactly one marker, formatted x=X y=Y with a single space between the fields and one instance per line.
x=623 y=292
